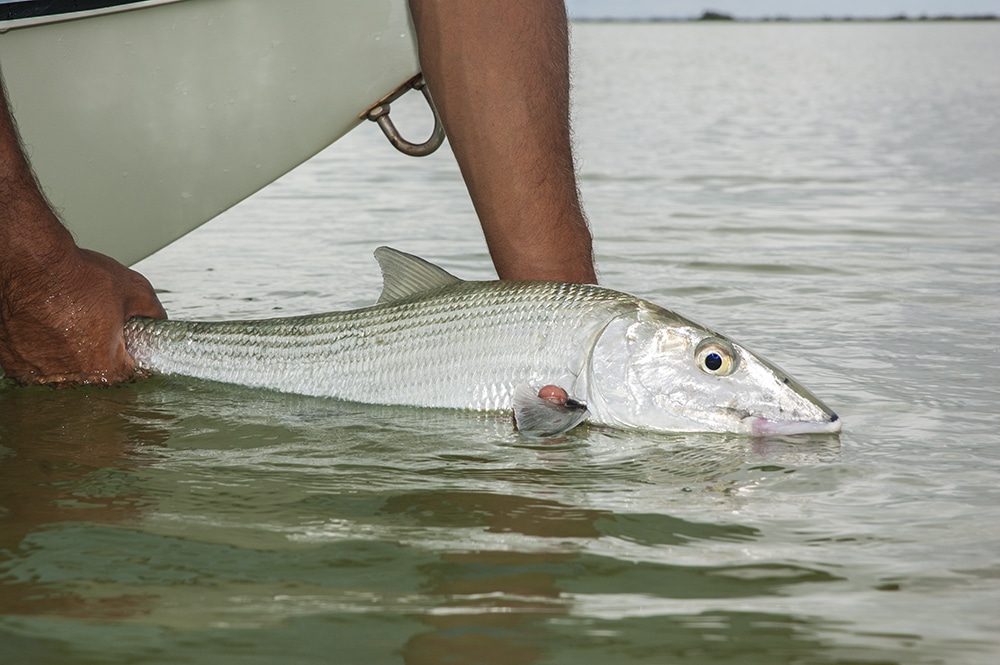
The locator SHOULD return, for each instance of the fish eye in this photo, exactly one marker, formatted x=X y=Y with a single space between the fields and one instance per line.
x=716 y=356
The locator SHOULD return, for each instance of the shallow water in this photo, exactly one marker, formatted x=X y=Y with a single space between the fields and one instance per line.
x=827 y=194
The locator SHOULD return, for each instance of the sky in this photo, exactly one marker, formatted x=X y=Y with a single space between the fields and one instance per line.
x=771 y=8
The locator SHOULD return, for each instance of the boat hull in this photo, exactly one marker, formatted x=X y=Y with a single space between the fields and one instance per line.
x=145 y=120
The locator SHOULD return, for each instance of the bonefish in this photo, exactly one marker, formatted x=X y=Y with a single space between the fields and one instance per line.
x=435 y=340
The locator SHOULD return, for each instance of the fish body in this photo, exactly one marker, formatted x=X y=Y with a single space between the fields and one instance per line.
x=434 y=340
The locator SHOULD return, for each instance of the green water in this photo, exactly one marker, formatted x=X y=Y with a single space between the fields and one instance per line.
x=826 y=194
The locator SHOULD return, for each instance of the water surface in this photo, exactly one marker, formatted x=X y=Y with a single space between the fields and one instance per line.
x=825 y=193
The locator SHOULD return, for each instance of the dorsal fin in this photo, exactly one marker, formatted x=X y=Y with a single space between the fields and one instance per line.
x=405 y=275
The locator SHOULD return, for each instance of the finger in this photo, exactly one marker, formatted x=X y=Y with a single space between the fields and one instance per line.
x=143 y=300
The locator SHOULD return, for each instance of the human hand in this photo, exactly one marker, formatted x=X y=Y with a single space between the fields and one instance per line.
x=61 y=322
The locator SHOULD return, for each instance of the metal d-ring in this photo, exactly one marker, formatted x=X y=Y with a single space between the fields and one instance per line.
x=380 y=115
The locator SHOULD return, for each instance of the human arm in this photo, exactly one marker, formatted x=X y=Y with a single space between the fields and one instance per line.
x=62 y=308
x=498 y=71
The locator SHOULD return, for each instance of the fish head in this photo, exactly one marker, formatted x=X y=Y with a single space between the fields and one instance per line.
x=653 y=369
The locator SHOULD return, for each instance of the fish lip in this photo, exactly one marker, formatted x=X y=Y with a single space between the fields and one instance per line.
x=760 y=426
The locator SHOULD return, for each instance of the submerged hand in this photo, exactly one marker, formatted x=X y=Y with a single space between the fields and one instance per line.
x=62 y=323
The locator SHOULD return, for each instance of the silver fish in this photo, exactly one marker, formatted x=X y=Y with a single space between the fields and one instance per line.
x=435 y=340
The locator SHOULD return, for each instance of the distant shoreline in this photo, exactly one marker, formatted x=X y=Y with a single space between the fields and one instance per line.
x=718 y=17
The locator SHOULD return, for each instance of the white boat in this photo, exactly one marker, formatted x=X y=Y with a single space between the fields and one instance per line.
x=143 y=120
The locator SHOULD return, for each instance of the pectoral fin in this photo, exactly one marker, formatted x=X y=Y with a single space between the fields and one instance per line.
x=540 y=417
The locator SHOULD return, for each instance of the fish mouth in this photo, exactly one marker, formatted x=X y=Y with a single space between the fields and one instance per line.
x=760 y=426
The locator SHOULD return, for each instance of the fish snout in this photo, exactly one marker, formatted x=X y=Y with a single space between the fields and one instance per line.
x=760 y=426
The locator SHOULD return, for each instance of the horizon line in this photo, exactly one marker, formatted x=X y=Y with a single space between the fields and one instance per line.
x=712 y=17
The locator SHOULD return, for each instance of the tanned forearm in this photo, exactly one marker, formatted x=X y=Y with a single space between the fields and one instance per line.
x=30 y=233
x=498 y=71
x=62 y=308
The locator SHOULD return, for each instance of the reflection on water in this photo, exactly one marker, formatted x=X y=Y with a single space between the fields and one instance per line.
x=66 y=458
x=278 y=511
x=220 y=512
x=767 y=180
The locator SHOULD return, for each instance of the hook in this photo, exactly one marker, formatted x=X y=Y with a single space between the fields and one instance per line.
x=380 y=114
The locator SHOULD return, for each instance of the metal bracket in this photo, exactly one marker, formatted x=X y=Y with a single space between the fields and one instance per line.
x=380 y=114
